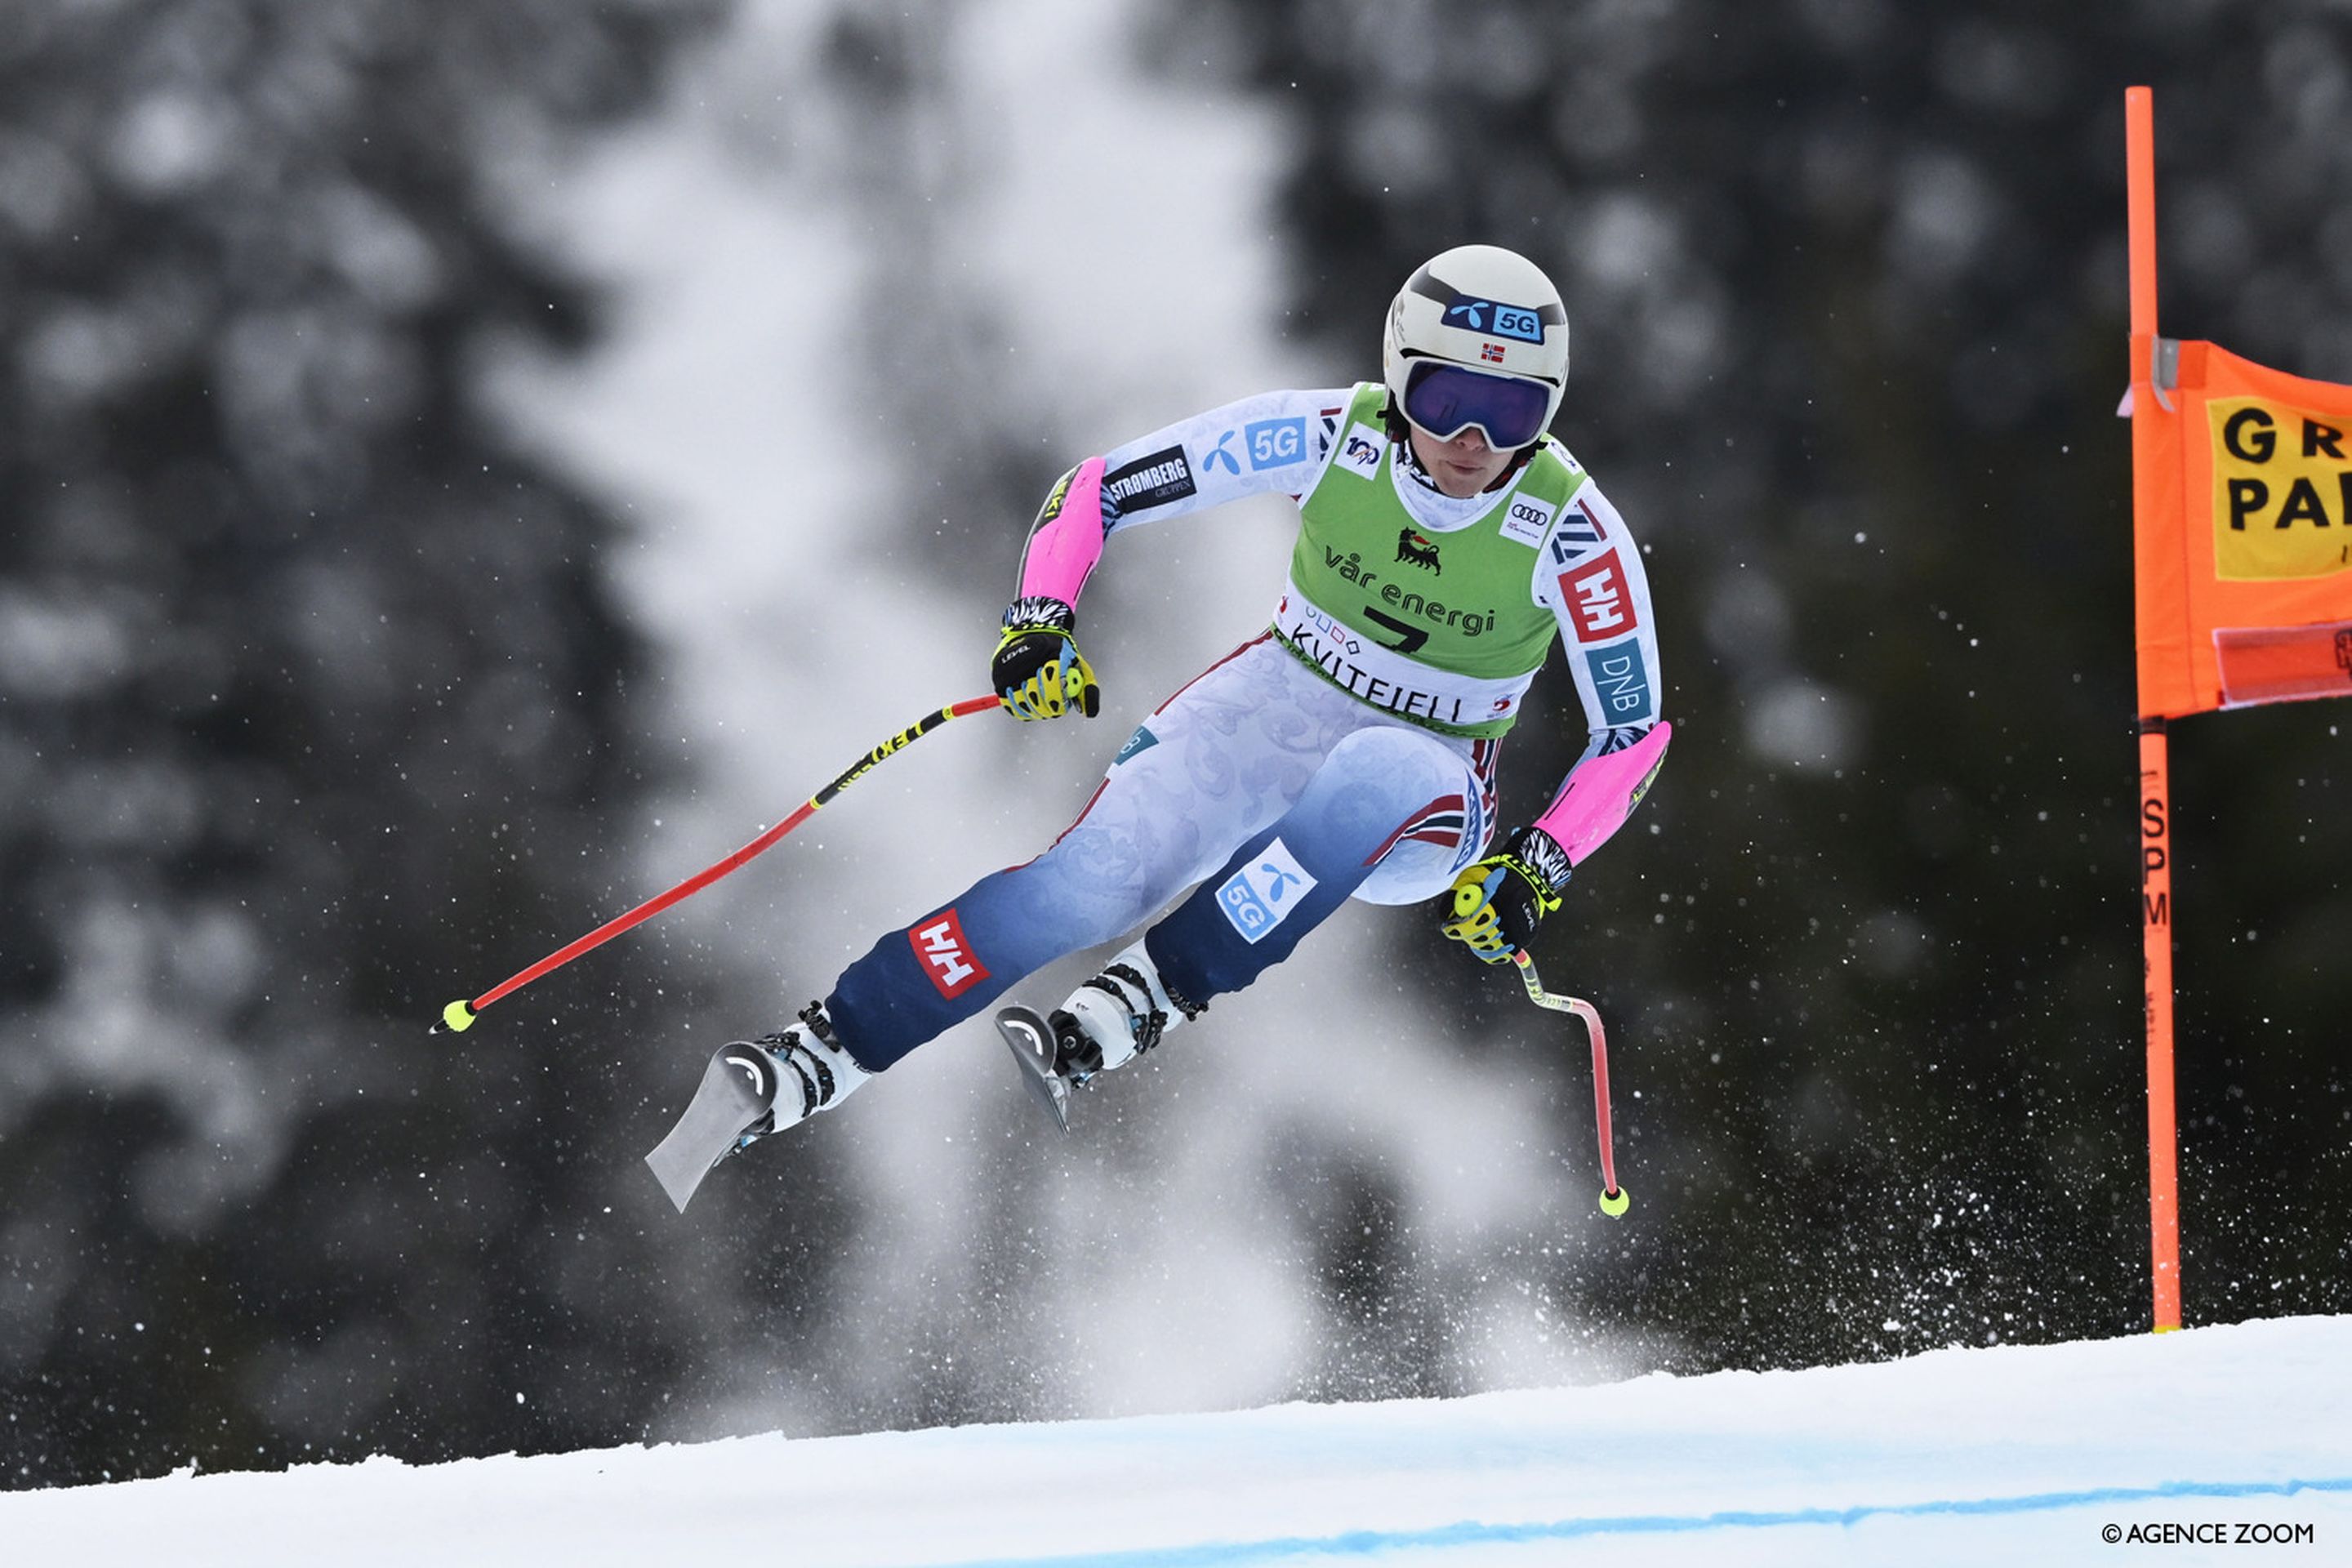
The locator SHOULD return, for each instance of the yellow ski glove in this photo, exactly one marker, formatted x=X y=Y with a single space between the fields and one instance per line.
x=1038 y=670
x=1499 y=902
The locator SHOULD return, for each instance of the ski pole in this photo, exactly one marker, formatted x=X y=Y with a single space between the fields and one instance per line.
x=458 y=1015
x=1614 y=1198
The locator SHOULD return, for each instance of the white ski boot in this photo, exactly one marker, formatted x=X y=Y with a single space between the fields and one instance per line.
x=814 y=1073
x=1106 y=1022
x=1117 y=1017
x=750 y=1089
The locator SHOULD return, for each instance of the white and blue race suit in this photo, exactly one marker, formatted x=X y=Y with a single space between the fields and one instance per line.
x=1275 y=786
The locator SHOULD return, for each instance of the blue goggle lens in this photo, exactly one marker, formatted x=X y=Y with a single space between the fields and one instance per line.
x=1447 y=399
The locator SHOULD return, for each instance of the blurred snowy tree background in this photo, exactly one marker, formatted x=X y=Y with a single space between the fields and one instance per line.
x=462 y=469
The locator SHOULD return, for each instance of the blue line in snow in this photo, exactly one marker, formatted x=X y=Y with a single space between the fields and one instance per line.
x=1364 y=1543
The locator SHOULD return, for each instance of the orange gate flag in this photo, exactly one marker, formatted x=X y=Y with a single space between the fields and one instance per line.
x=2244 y=526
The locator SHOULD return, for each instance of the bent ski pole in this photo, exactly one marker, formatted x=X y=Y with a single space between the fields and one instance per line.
x=459 y=1015
x=1614 y=1198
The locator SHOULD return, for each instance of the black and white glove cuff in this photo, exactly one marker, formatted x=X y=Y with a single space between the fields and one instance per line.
x=1541 y=854
x=1039 y=612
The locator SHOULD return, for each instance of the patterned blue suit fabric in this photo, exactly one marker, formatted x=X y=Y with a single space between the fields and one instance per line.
x=1277 y=792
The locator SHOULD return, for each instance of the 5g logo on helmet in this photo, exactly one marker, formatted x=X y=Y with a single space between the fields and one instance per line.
x=1495 y=318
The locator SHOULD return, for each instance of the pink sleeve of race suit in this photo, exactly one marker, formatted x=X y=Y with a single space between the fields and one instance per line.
x=1603 y=792
x=1068 y=537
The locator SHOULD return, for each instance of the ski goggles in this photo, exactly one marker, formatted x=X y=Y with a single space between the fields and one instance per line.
x=1446 y=399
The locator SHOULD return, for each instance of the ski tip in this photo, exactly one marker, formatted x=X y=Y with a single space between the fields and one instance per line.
x=1013 y=1011
x=1030 y=1037
x=677 y=1185
x=737 y=1085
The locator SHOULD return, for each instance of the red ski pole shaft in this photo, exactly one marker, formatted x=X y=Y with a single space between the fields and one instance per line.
x=459 y=1015
x=1614 y=1198
x=1600 y=1094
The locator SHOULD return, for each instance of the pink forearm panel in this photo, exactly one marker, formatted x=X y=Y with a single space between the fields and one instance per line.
x=1068 y=537
x=1602 y=794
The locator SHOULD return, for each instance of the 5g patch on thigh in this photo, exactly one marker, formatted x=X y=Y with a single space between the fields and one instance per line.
x=1261 y=894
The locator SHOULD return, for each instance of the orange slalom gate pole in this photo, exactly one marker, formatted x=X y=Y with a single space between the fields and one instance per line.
x=2156 y=937
x=2140 y=196
x=2154 y=766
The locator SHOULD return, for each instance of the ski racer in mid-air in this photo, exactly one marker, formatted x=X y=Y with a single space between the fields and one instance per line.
x=1348 y=751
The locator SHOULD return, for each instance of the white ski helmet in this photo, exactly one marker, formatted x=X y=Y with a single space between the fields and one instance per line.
x=1478 y=337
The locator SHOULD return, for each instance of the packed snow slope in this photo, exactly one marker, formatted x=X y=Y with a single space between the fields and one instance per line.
x=2187 y=1448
